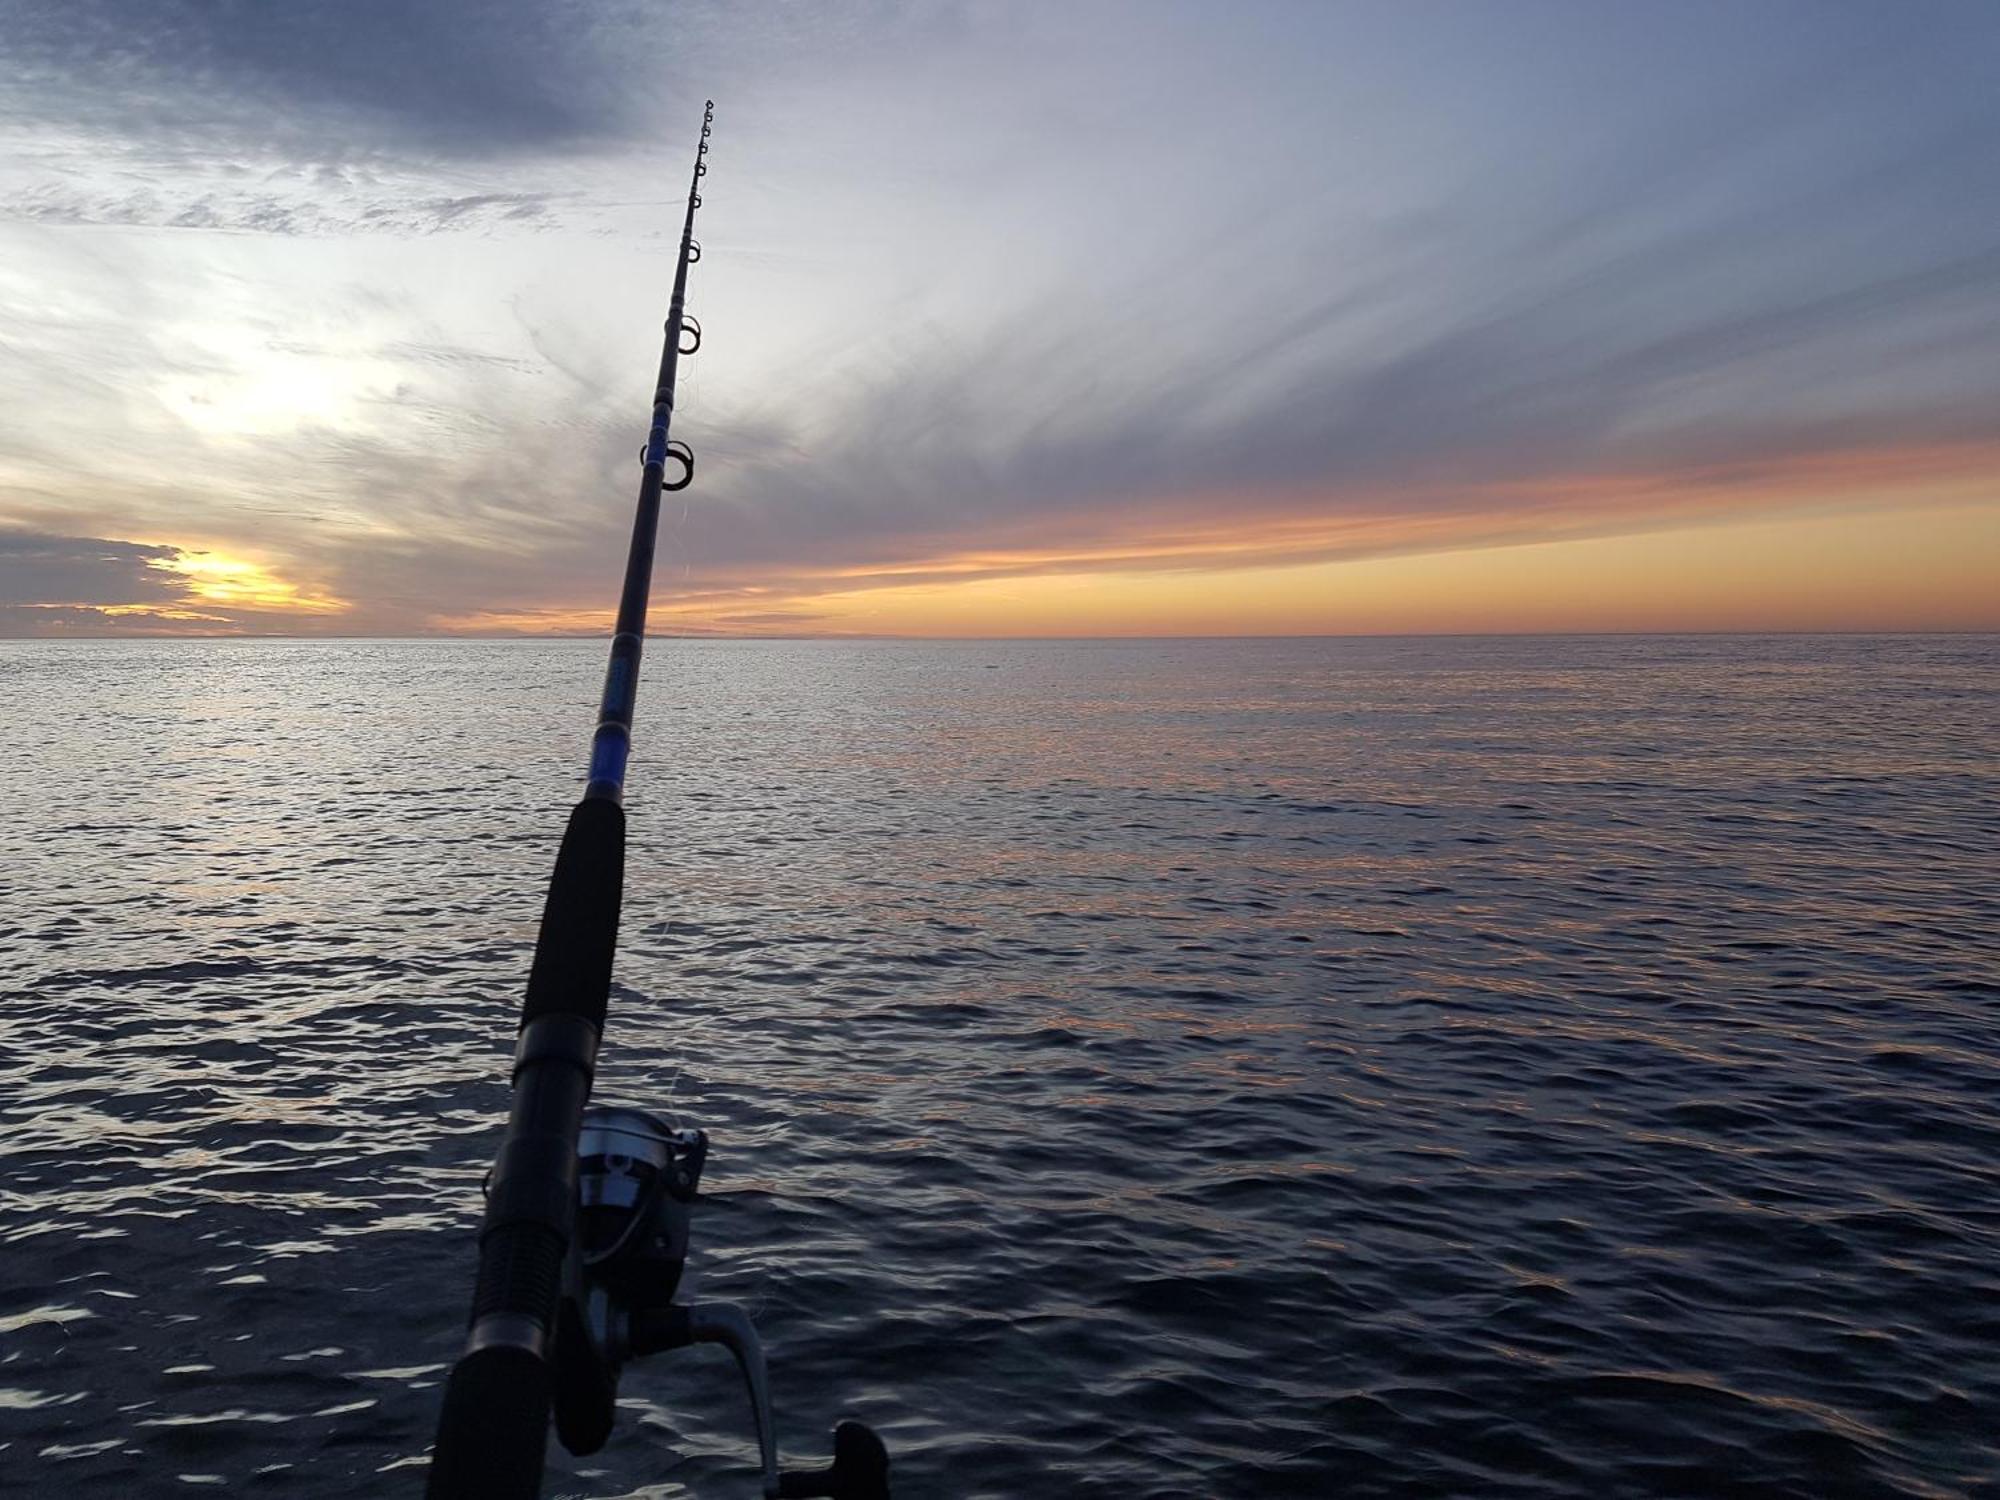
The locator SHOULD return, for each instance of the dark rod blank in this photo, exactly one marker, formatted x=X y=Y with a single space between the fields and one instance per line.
x=494 y=1426
x=612 y=744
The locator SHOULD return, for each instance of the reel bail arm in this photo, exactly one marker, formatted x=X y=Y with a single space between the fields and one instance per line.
x=637 y=1181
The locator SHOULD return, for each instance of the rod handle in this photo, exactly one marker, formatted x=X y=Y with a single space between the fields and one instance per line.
x=494 y=1431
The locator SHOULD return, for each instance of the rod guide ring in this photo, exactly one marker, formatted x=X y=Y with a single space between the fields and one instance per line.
x=684 y=456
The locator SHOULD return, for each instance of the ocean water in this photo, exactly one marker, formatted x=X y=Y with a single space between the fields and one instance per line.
x=1550 y=1067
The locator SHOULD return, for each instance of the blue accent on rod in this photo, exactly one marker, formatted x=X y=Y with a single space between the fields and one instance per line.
x=608 y=754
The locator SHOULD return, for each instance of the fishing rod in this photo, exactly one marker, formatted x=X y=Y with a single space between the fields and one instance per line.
x=588 y=1209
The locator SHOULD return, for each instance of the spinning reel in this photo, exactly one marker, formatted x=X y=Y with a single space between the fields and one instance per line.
x=637 y=1183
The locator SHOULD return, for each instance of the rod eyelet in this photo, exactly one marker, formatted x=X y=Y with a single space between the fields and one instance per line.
x=694 y=252
x=684 y=456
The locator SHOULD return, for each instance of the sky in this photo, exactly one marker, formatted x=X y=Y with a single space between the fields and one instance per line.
x=1079 y=318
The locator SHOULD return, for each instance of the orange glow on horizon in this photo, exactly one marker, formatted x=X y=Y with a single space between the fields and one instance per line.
x=1224 y=530
x=528 y=621
x=1935 y=568
x=1861 y=539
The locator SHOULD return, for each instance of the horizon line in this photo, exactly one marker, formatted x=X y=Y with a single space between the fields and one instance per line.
x=856 y=637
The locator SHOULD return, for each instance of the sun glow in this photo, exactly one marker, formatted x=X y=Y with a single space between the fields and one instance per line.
x=239 y=584
x=243 y=385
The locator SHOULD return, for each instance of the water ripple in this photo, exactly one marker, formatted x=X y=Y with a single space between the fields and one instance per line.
x=1375 y=1068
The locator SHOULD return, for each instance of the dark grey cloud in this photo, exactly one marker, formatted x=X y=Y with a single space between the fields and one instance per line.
x=37 y=620
x=38 y=569
x=348 y=76
x=54 y=585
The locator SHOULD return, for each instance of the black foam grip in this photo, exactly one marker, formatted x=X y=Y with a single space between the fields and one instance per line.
x=520 y=1271
x=494 y=1430
x=579 y=933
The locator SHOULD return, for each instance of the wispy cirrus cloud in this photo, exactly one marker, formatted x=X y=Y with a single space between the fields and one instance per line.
x=300 y=207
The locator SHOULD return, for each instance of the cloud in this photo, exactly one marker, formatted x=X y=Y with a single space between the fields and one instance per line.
x=963 y=449
x=1322 y=288
x=42 y=570
x=298 y=207
x=346 y=77
x=319 y=118
x=18 y=621
x=73 y=585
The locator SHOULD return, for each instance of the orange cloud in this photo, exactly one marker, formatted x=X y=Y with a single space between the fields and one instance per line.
x=1928 y=569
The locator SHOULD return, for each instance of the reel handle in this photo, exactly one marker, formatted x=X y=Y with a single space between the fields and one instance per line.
x=860 y=1469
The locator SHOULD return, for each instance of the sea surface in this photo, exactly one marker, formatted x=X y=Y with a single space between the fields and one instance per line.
x=1487 y=1067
